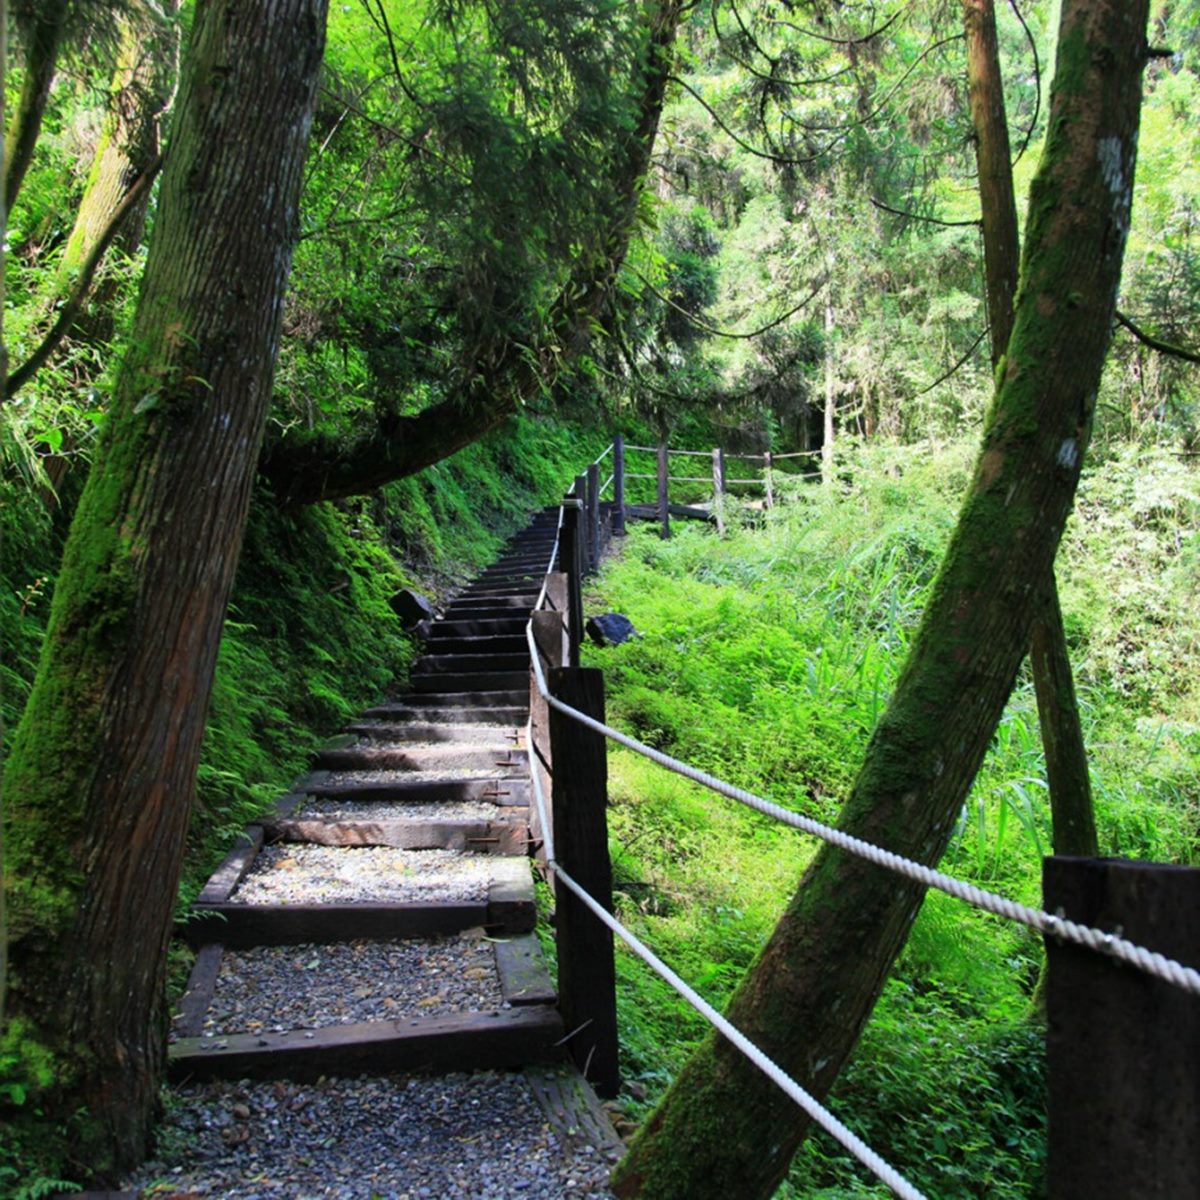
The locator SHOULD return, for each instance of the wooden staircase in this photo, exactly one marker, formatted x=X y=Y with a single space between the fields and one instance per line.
x=436 y=781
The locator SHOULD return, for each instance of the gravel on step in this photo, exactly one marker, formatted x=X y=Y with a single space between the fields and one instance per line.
x=448 y=775
x=305 y=874
x=336 y=809
x=453 y=1137
x=311 y=987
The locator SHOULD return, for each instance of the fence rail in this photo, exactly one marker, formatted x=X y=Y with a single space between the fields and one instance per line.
x=567 y=726
x=710 y=507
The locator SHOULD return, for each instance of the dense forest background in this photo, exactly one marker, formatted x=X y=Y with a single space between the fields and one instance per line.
x=803 y=273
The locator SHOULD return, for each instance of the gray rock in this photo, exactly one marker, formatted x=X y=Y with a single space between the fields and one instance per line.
x=412 y=608
x=610 y=629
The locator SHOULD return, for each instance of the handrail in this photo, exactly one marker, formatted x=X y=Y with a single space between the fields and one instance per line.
x=1047 y=924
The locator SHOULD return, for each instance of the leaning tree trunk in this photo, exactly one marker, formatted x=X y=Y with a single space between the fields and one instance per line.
x=100 y=783
x=41 y=59
x=723 y=1129
x=143 y=84
x=1058 y=712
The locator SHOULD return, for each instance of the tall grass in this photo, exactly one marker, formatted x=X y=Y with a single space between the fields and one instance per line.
x=767 y=657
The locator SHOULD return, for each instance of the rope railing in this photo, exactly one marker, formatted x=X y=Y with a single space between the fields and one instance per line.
x=1150 y=961
x=817 y=1111
x=1056 y=926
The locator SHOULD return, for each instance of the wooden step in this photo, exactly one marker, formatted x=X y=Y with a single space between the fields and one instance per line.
x=500 y=789
x=494 y=698
x=470 y=681
x=500 y=758
x=446 y=733
x=509 y=909
x=507 y=626
x=463 y=664
x=462 y=1042
x=505 y=836
x=512 y=643
x=446 y=717
x=495 y=606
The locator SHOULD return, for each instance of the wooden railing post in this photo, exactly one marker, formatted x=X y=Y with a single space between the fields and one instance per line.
x=1121 y=1045
x=664 y=502
x=570 y=560
x=593 y=517
x=586 y=971
x=583 y=528
x=618 y=520
x=549 y=636
x=768 y=480
x=718 y=464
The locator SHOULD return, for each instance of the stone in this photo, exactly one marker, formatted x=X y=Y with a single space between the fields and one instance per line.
x=411 y=607
x=610 y=629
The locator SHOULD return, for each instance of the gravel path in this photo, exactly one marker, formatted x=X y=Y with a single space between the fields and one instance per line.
x=304 y=874
x=340 y=809
x=455 y=1137
x=310 y=987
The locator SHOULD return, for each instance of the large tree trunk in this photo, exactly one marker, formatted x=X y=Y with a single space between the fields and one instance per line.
x=1058 y=711
x=101 y=779
x=722 y=1128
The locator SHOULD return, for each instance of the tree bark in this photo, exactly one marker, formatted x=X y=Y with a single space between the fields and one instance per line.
x=1058 y=711
x=1072 y=815
x=100 y=783
x=723 y=1129
x=306 y=468
x=142 y=89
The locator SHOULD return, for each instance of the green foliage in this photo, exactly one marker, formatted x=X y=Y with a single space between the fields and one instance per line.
x=766 y=657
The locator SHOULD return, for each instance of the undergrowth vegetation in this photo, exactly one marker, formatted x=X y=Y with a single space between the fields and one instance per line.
x=766 y=657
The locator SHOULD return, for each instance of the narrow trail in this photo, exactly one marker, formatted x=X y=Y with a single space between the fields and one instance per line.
x=370 y=1014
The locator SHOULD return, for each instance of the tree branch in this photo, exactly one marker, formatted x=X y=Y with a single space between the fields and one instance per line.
x=83 y=285
x=1154 y=343
x=900 y=212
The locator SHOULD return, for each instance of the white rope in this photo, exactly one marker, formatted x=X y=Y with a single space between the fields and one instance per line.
x=821 y=1115
x=603 y=455
x=1045 y=923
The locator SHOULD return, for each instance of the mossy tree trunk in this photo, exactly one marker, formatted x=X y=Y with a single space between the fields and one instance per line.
x=142 y=87
x=722 y=1129
x=100 y=782
x=1058 y=711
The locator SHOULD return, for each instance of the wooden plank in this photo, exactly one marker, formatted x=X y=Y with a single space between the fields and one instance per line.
x=509 y=790
x=229 y=874
x=573 y=1110
x=649 y=512
x=522 y=970
x=511 y=906
x=202 y=983
x=238 y=926
x=461 y=1042
x=499 y=758
x=481 y=837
